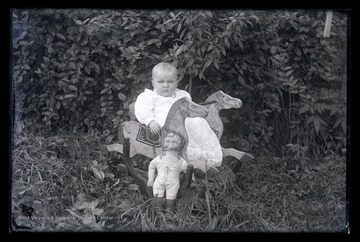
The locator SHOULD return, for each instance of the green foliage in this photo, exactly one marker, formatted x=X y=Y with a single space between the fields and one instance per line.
x=79 y=70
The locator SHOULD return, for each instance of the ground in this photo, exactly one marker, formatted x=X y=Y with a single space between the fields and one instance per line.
x=65 y=183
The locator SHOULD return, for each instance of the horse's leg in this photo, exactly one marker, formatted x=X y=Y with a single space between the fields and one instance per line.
x=187 y=182
x=141 y=181
x=240 y=155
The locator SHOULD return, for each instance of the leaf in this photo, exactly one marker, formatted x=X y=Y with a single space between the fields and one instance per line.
x=49 y=39
x=216 y=65
x=73 y=88
x=81 y=204
x=227 y=42
x=88 y=219
x=201 y=75
x=57 y=104
x=333 y=110
x=289 y=73
x=97 y=211
x=241 y=80
x=104 y=91
x=72 y=65
x=78 y=22
x=134 y=187
x=311 y=119
x=262 y=59
x=121 y=96
x=208 y=63
x=87 y=70
x=241 y=45
x=69 y=96
x=317 y=124
x=96 y=66
x=181 y=48
x=178 y=28
x=304 y=109
x=273 y=49
x=298 y=51
x=60 y=36
x=322 y=121
x=314 y=24
x=98 y=173
x=172 y=15
x=337 y=123
x=343 y=126
x=203 y=48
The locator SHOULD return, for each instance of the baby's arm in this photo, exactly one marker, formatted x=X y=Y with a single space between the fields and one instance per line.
x=144 y=112
x=144 y=106
x=151 y=172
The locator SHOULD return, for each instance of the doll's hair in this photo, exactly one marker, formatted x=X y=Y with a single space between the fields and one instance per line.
x=164 y=66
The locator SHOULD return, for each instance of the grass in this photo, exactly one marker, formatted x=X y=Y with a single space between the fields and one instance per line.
x=65 y=183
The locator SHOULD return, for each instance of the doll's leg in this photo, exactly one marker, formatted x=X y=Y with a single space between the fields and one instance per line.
x=158 y=191
x=158 y=188
x=171 y=193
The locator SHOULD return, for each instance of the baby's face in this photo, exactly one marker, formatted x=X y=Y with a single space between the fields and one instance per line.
x=171 y=143
x=165 y=83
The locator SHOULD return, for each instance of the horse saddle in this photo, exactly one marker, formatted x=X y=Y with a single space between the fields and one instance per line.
x=147 y=137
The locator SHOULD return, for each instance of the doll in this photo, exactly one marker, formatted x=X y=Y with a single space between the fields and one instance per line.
x=168 y=165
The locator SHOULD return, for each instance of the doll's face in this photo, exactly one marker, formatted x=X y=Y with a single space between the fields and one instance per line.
x=171 y=142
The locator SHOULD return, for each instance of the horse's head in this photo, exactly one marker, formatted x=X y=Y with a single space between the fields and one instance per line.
x=190 y=109
x=183 y=108
x=225 y=101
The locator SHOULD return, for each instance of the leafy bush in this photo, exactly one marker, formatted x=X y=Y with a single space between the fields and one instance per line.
x=79 y=70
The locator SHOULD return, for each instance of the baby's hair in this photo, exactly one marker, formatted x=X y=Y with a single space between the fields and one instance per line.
x=164 y=66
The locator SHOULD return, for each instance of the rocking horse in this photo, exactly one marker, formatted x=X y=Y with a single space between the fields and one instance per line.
x=137 y=138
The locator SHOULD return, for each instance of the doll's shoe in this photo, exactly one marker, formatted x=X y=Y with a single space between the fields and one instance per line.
x=158 y=204
x=169 y=205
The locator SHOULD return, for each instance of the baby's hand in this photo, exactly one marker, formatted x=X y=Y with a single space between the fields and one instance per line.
x=154 y=127
x=150 y=184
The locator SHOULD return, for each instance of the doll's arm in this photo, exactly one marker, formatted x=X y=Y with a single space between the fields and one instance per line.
x=151 y=173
